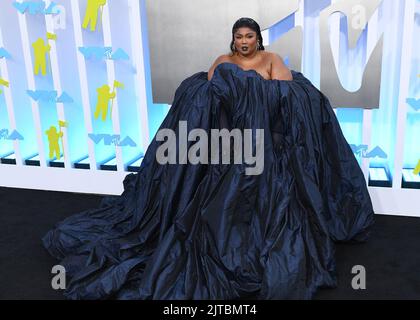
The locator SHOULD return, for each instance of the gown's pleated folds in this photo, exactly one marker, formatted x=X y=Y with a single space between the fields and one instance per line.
x=211 y=231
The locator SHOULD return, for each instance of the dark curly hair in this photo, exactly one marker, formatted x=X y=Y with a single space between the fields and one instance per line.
x=248 y=23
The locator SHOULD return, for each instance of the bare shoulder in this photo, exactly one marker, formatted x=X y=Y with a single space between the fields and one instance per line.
x=220 y=59
x=223 y=58
x=274 y=57
x=279 y=71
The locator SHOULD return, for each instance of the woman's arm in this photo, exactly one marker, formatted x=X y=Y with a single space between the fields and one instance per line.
x=279 y=70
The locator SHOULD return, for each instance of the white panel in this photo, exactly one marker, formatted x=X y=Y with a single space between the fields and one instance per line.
x=4 y=73
x=300 y=14
x=139 y=63
x=403 y=91
x=399 y=202
x=31 y=84
x=57 y=85
x=57 y=179
x=334 y=29
x=110 y=68
x=372 y=39
x=367 y=140
x=83 y=80
x=385 y=200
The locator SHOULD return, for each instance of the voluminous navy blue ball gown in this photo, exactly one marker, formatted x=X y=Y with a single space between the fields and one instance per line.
x=205 y=231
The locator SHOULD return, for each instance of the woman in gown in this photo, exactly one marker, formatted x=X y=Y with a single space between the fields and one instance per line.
x=210 y=231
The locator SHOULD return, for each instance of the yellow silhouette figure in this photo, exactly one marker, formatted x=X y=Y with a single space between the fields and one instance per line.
x=40 y=50
x=417 y=169
x=51 y=36
x=104 y=95
x=53 y=137
x=91 y=14
x=117 y=84
x=3 y=83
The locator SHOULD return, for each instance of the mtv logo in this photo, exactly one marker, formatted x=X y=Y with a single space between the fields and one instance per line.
x=42 y=95
x=15 y=135
x=114 y=139
x=35 y=7
x=104 y=53
x=4 y=54
x=414 y=103
x=199 y=31
x=96 y=52
x=49 y=96
x=362 y=150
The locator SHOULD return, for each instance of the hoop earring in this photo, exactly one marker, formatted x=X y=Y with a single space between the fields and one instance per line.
x=259 y=46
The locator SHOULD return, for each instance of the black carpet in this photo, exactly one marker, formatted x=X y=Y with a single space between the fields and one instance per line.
x=391 y=258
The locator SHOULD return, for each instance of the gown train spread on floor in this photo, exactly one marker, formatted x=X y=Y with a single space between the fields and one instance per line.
x=211 y=231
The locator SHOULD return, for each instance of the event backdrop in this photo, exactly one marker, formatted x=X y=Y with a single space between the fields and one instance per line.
x=85 y=84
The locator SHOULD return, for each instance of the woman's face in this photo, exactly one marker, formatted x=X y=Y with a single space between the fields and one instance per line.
x=245 y=41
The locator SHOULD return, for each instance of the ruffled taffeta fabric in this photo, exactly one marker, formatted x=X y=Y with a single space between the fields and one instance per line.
x=212 y=231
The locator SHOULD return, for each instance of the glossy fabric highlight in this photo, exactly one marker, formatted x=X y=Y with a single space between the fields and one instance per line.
x=212 y=232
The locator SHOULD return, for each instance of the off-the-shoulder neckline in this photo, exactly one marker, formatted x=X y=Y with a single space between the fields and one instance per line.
x=250 y=70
